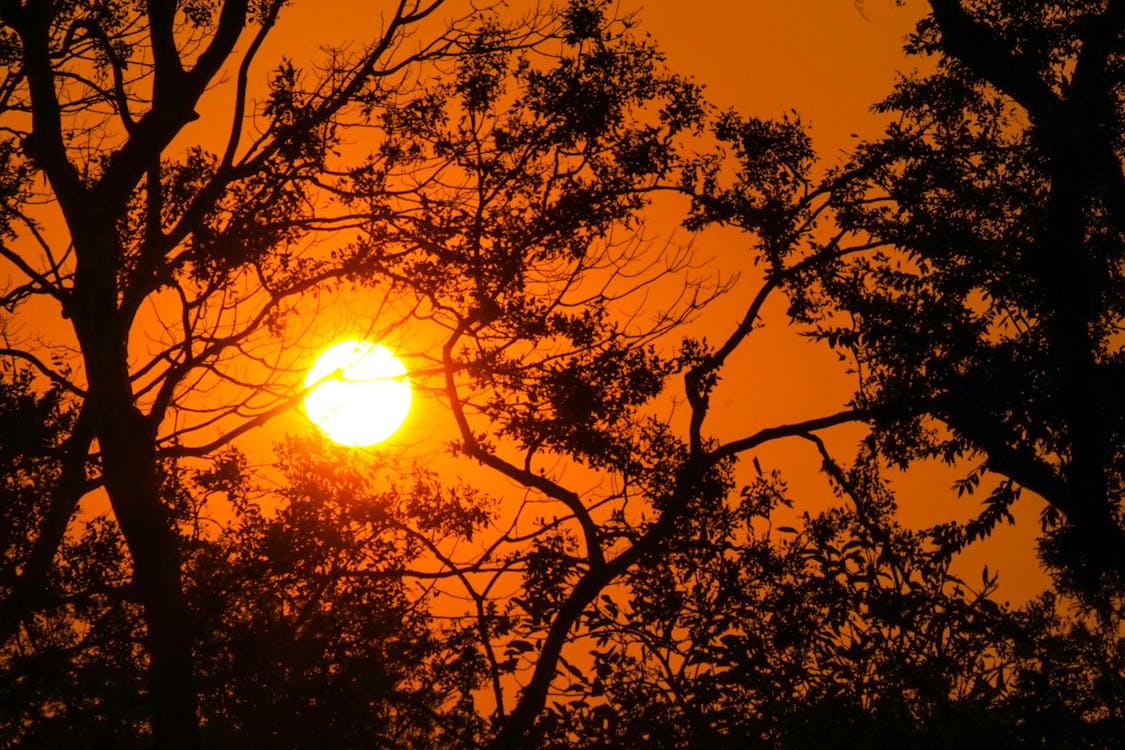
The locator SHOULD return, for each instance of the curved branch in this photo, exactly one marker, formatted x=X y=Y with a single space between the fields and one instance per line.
x=117 y=66
x=474 y=449
x=797 y=429
x=42 y=367
x=532 y=699
x=45 y=144
x=240 y=86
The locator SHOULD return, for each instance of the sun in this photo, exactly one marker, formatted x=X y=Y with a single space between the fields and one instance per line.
x=360 y=394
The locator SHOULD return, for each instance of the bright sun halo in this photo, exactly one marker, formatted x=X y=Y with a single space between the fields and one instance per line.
x=363 y=395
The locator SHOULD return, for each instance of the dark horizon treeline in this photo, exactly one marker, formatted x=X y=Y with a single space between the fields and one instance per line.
x=492 y=179
x=847 y=630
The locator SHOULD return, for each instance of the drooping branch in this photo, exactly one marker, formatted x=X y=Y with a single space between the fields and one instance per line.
x=473 y=448
x=797 y=429
x=532 y=699
x=55 y=377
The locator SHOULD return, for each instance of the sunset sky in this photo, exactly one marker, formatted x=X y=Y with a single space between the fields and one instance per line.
x=828 y=61
x=498 y=373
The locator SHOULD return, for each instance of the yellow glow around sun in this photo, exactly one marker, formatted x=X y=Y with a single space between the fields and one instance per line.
x=363 y=395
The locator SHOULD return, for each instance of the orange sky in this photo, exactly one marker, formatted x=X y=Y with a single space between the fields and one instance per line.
x=827 y=59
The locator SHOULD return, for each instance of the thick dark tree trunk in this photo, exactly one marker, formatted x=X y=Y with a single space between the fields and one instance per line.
x=1073 y=130
x=1074 y=280
x=131 y=480
x=130 y=470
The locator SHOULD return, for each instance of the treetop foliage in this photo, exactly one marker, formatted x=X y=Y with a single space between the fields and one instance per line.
x=611 y=573
x=996 y=308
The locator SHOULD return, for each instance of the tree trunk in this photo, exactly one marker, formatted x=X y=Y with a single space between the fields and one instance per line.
x=129 y=457
x=129 y=465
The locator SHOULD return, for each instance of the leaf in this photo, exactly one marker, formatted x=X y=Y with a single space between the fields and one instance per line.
x=573 y=670
x=610 y=605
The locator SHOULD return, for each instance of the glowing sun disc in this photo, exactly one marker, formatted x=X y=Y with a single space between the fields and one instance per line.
x=361 y=395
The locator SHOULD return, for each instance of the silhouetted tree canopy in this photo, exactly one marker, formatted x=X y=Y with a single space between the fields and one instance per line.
x=990 y=327
x=609 y=572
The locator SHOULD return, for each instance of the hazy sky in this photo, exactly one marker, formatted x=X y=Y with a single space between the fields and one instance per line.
x=829 y=60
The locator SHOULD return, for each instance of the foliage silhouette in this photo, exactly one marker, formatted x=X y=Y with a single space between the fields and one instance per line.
x=989 y=329
x=845 y=631
x=490 y=189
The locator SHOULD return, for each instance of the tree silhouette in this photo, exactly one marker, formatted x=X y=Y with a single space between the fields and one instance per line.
x=545 y=364
x=486 y=191
x=94 y=99
x=313 y=633
x=507 y=214
x=844 y=630
x=991 y=326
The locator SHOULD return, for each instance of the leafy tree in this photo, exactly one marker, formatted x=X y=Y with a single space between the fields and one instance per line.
x=95 y=97
x=553 y=378
x=845 y=630
x=990 y=326
x=632 y=596
x=314 y=632
x=740 y=633
x=309 y=630
x=504 y=200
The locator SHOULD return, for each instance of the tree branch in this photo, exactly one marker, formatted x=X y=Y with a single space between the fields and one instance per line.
x=797 y=429
x=979 y=49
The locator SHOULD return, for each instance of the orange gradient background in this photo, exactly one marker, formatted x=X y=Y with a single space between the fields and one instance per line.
x=827 y=60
